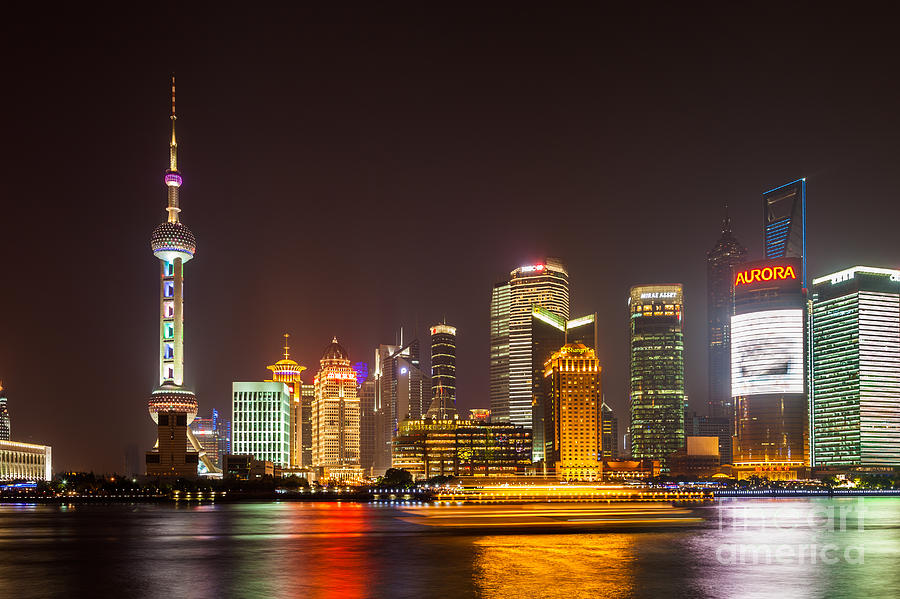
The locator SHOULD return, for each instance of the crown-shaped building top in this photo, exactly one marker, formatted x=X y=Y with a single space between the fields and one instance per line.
x=286 y=370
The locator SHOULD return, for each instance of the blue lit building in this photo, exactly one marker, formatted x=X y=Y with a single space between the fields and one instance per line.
x=362 y=372
x=784 y=214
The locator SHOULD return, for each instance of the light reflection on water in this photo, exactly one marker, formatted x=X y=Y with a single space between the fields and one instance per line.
x=342 y=550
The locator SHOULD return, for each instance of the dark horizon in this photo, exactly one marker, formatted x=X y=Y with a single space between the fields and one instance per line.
x=348 y=172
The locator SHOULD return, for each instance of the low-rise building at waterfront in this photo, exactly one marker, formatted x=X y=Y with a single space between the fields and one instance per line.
x=434 y=447
x=24 y=461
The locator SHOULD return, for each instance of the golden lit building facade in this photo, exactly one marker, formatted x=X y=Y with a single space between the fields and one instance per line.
x=335 y=416
x=287 y=371
x=576 y=412
x=24 y=461
x=448 y=447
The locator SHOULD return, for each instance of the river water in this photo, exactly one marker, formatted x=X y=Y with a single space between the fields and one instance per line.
x=784 y=548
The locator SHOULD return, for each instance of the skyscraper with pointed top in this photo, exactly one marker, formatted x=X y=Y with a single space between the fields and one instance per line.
x=719 y=308
x=288 y=371
x=335 y=416
x=173 y=406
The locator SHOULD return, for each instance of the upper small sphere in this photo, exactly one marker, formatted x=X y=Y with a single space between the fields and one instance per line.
x=335 y=351
x=173 y=240
x=173 y=179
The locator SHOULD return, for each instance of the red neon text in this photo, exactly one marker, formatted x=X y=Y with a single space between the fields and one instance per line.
x=768 y=273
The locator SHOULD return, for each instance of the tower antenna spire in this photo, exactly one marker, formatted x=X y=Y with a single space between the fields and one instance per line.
x=286 y=346
x=173 y=145
x=726 y=222
x=173 y=177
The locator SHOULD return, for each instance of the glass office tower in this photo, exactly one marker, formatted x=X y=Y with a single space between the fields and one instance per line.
x=657 y=394
x=583 y=330
x=499 y=368
x=768 y=370
x=719 y=308
x=856 y=368
x=546 y=285
x=548 y=335
x=784 y=222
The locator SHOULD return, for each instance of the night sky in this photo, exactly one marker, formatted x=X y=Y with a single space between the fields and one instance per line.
x=351 y=172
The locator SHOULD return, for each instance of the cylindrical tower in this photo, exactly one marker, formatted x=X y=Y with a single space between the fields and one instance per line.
x=174 y=245
x=172 y=406
x=443 y=361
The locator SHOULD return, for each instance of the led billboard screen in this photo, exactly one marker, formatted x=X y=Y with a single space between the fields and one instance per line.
x=767 y=353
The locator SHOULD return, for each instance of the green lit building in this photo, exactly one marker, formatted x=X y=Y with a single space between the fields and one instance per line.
x=855 y=362
x=261 y=421
x=658 y=400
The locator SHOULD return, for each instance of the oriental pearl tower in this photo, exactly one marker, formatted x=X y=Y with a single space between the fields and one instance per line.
x=173 y=406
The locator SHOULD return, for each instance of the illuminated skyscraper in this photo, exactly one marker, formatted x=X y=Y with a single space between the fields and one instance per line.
x=499 y=352
x=402 y=391
x=657 y=371
x=173 y=406
x=367 y=422
x=512 y=371
x=223 y=434
x=856 y=368
x=308 y=393
x=335 y=416
x=261 y=411
x=719 y=308
x=610 y=438
x=548 y=335
x=769 y=370
x=443 y=373
x=287 y=371
x=4 y=416
x=549 y=332
x=576 y=446
x=784 y=219
x=207 y=434
x=443 y=364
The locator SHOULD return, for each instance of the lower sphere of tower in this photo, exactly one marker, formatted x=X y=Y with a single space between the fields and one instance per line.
x=170 y=398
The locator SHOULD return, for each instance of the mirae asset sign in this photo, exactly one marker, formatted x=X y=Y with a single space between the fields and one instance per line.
x=768 y=273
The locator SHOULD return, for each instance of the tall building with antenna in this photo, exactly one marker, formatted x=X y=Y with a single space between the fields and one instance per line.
x=402 y=392
x=719 y=309
x=288 y=371
x=173 y=406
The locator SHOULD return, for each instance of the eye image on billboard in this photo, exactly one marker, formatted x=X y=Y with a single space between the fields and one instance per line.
x=767 y=353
